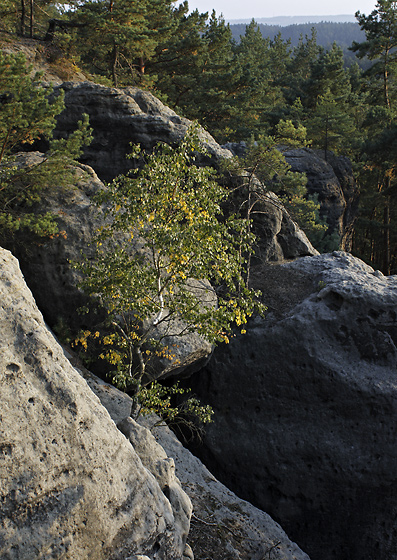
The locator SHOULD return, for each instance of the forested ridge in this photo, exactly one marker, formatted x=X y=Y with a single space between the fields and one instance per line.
x=264 y=89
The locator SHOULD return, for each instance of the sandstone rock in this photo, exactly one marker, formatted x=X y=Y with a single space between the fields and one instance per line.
x=306 y=407
x=155 y=459
x=223 y=527
x=333 y=182
x=72 y=486
x=120 y=117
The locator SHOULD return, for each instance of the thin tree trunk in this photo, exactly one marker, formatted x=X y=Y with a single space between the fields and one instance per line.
x=31 y=19
x=23 y=15
x=326 y=140
x=386 y=80
x=114 y=64
x=386 y=235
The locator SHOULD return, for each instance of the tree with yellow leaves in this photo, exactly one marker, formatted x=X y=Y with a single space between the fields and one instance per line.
x=177 y=251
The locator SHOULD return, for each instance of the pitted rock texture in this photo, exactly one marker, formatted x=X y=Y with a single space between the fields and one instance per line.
x=306 y=407
x=72 y=486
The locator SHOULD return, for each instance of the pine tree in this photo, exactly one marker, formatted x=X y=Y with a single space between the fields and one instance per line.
x=330 y=126
x=120 y=36
x=375 y=234
x=328 y=74
x=26 y=114
x=380 y=46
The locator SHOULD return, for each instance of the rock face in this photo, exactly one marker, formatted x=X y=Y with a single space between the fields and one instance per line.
x=306 y=407
x=155 y=459
x=120 y=117
x=333 y=182
x=223 y=527
x=72 y=486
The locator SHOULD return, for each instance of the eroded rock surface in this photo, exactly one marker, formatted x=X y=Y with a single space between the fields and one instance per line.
x=120 y=117
x=223 y=527
x=72 y=486
x=306 y=407
x=332 y=181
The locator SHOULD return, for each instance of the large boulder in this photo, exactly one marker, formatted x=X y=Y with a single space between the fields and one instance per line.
x=306 y=407
x=332 y=181
x=120 y=117
x=72 y=486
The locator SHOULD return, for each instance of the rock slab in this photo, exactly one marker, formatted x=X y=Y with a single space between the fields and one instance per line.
x=223 y=527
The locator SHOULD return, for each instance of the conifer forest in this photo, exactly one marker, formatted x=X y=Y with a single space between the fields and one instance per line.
x=250 y=89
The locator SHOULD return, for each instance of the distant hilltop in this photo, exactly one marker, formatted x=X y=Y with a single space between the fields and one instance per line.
x=291 y=20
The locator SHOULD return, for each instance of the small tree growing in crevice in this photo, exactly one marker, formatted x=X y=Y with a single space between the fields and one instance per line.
x=263 y=172
x=165 y=252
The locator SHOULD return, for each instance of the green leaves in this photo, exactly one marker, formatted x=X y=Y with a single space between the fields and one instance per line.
x=26 y=114
x=165 y=250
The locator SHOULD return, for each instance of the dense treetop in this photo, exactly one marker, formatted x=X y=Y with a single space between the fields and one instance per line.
x=243 y=89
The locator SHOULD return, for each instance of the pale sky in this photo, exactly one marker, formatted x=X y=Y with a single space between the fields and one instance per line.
x=248 y=9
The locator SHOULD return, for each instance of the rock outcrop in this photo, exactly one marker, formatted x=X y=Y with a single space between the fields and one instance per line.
x=72 y=486
x=120 y=117
x=223 y=527
x=306 y=407
x=333 y=182
x=53 y=280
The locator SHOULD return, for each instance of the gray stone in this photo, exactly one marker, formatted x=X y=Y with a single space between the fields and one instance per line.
x=120 y=117
x=72 y=486
x=223 y=527
x=306 y=407
x=155 y=459
x=333 y=182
